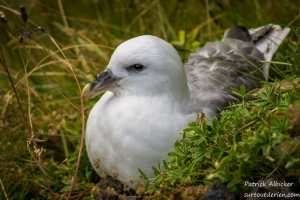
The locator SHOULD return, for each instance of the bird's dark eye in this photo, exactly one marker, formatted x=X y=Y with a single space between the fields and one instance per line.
x=138 y=67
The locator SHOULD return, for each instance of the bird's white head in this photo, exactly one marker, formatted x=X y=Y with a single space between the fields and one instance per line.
x=145 y=65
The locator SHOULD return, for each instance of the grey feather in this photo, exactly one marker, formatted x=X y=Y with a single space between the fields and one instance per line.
x=219 y=66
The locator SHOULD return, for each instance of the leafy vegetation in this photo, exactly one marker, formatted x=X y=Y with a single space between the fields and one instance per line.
x=251 y=141
x=63 y=41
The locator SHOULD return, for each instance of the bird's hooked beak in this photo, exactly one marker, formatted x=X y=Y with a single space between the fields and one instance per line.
x=104 y=81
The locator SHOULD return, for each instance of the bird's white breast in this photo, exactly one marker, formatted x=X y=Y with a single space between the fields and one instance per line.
x=127 y=133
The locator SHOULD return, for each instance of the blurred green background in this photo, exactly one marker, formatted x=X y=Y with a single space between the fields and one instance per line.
x=87 y=32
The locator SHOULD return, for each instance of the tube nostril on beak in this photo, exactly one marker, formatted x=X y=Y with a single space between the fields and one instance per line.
x=107 y=74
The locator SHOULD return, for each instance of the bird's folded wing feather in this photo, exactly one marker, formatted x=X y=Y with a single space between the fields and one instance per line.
x=218 y=66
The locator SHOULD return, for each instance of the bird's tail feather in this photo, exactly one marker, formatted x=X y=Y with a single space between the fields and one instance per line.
x=267 y=39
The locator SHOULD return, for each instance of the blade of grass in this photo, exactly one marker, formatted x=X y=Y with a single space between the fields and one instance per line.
x=2 y=186
x=82 y=117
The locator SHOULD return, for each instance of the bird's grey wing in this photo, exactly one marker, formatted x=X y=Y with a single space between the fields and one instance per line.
x=218 y=66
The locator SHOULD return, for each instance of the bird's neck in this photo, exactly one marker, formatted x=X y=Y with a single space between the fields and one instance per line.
x=177 y=100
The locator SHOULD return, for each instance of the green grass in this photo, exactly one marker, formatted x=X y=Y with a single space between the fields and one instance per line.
x=87 y=33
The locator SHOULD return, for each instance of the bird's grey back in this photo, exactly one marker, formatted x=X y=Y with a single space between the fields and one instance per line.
x=219 y=66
